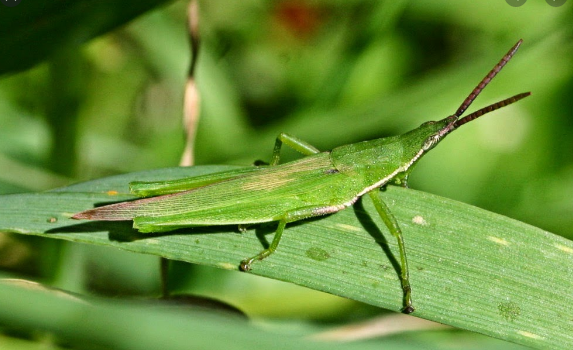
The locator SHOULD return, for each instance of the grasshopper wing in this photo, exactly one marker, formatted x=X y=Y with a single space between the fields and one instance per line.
x=254 y=197
x=159 y=188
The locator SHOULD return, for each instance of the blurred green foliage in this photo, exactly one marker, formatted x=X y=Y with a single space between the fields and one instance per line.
x=330 y=72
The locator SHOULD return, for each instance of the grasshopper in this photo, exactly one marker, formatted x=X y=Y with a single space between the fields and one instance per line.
x=319 y=184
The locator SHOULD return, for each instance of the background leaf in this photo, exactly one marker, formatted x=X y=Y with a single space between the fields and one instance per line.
x=470 y=268
x=120 y=324
x=47 y=27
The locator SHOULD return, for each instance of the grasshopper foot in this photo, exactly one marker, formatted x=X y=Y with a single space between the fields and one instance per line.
x=408 y=309
x=246 y=264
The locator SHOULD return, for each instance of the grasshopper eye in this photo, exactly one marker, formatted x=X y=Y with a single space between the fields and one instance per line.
x=427 y=123
x=431 y=142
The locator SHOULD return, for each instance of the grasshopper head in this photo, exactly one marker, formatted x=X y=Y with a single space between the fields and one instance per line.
x=421 y=140
x=436 y=131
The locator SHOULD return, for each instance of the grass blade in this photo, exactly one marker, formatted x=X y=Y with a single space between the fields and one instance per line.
x=471 y=269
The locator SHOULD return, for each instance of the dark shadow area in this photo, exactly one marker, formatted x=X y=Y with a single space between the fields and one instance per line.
x=123 y=231
x=196 y=302
x=265 y=228
x=374 y=231
x=262 y=230
x=120 y=231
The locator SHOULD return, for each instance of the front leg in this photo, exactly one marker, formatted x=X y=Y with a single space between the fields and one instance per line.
x=392 y=224
x=294 y=143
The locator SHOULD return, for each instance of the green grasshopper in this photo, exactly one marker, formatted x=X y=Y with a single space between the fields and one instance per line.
x=320 y=183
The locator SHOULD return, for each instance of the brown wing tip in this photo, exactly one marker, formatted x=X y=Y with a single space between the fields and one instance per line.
x=111 y=212
x=87 y=215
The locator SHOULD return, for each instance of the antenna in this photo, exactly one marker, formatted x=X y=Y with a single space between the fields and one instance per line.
x=490 y=108
x=483 y=83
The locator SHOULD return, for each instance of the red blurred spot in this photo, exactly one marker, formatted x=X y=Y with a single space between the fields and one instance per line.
x=298 y=17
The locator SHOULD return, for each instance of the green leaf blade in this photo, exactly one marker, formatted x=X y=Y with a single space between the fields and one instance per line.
x=470 y=268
